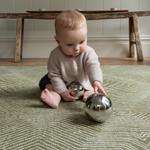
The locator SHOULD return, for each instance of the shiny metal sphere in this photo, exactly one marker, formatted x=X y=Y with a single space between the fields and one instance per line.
x=98 y=107
x=78 y=89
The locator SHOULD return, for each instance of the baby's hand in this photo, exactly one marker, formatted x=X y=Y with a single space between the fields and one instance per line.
x=67 y=95
x=98 y=87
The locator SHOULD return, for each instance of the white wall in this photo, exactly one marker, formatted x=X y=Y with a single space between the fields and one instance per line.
x=109 y=38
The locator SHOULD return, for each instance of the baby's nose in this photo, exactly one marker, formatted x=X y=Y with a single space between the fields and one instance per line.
x=77 y=48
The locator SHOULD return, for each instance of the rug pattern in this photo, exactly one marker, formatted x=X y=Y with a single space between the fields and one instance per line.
x=29 y=124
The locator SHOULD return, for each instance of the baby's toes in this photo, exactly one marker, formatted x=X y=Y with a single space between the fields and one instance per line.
x=42 y=94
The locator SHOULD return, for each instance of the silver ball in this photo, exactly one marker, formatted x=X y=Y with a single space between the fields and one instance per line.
x=98 y=107
x=78 y=89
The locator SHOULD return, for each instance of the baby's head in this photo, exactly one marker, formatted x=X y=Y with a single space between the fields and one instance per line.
x=71 y=32
x=69 y=19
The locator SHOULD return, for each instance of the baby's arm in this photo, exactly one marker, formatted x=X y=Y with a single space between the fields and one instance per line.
x=94 y=72
x=98 y=87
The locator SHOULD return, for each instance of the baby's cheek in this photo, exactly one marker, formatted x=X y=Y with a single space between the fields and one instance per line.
x=82 y=49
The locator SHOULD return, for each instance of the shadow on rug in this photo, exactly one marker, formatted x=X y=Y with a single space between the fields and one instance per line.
x=28 y=123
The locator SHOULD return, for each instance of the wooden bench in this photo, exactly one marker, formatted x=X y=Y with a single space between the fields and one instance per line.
x=134 y=30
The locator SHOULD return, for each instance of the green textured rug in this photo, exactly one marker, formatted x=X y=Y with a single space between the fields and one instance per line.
x=27 y=123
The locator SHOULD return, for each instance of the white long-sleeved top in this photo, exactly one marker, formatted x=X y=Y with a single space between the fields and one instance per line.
x=62 y=70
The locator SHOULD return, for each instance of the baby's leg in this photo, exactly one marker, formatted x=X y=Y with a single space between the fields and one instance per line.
x=86 y=94
x=50 y=97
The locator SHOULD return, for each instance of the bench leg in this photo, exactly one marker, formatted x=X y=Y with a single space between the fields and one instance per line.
x=131 y=37
x=137 y=38
x=19 y=39
x=22 y=37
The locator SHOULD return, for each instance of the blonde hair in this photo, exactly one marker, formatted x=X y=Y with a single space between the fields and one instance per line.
x=70 y=19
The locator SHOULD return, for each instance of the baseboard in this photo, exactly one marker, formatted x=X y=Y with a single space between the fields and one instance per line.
x=40 y=47
x=90 y=38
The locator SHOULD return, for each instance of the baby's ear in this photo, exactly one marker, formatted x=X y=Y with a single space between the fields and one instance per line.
x=56 y=39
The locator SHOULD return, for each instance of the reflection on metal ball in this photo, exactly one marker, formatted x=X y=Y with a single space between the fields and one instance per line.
x=98 y=107
x=78 y=89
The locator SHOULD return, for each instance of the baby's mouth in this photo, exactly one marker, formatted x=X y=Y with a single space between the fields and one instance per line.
x=77 y=52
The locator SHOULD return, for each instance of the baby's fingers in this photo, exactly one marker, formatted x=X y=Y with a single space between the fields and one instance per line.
x=102 y=91
x=70 y=91
x=73 y=98
x=95 y=89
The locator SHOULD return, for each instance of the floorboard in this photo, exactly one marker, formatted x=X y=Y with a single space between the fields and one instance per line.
x=43 y=61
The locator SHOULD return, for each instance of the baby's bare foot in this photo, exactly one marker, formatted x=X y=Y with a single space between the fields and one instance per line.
x=48 y=98
x=86 y=94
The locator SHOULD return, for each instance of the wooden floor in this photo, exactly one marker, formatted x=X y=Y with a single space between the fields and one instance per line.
x=103 y=61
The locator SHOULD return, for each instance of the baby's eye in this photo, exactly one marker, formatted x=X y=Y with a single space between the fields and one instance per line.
x=69 y=44
x=81 y=42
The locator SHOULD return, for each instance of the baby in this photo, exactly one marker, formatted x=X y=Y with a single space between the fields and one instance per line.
x=72 y=60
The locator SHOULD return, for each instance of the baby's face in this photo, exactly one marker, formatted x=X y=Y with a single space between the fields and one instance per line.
x=73 y=42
